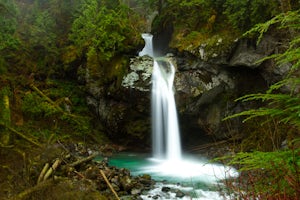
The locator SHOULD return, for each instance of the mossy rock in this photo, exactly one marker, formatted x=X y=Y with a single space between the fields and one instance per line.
x=204 y=44
x=115 y=71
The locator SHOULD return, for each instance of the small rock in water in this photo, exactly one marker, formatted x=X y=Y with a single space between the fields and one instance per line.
x=179 y=194
x=156 y=196
x=165 y=189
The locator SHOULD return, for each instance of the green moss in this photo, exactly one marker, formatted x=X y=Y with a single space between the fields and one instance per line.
x=116 y=70
x=95 y=69
x=212 y=44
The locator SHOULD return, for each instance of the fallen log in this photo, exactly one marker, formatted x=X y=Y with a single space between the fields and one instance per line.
x=53 y=103
x=21 y=135
x=83 y=160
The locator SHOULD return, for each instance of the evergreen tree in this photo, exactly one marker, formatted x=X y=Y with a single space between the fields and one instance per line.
x=102 y=30
x=8 y=24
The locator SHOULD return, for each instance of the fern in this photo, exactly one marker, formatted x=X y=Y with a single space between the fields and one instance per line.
x=274 y=175
x=285 y=107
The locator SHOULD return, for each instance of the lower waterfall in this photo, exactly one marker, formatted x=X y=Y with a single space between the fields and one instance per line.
x=165 y=129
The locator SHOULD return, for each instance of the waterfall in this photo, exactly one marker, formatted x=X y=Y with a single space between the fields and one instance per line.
x=148 y=48
x=165 y=129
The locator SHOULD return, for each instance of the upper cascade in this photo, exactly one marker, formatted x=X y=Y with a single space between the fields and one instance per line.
x=148 y=49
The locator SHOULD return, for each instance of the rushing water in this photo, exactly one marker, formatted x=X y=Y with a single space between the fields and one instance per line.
x=165 y=130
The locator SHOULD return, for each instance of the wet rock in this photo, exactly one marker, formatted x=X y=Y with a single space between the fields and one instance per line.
x=165 y=189
x=179 y=194
x=146 y=180
x=136 y=191
x=126 y=183
x=156 y=196
x=115 y=180
x=140 y=76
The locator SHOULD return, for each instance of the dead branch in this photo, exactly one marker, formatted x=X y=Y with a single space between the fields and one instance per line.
x=80 y=175
x=213 y=144
x=109 y=185
x=52 y=169
x=45 y=97
x=43 y=172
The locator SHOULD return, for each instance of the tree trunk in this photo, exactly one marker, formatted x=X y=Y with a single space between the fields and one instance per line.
x=5 y=137
x=160 y=5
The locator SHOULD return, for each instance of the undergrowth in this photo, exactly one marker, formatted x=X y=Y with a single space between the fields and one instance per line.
x=273 y=173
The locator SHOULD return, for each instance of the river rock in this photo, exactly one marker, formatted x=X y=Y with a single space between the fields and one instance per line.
x=126 y=183
x=179 y=194
x=165 y=189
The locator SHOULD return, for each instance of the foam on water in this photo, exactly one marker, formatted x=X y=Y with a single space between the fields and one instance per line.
x=196 y=194
x=190 y=169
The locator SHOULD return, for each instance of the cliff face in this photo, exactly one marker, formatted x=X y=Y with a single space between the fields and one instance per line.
x=207 y=82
